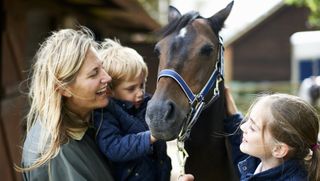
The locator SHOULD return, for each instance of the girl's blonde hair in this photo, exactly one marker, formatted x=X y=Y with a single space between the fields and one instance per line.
x=120 y=62
x=57 y=63
x=293 y=121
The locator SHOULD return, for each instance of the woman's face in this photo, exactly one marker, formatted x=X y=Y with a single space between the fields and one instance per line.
x=90 y=88
x=256 y=141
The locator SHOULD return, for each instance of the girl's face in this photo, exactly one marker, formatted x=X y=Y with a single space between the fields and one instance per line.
x=257 y=141
x=132 y=91
x=90 y=88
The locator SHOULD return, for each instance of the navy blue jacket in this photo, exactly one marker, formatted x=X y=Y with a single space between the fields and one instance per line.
x=124 y=137
x=290 y=170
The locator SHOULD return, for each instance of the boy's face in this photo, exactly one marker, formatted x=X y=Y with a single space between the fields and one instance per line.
x=132 y=90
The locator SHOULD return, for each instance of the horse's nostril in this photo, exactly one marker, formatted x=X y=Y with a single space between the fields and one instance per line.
x=159 y=112
x=169 y=115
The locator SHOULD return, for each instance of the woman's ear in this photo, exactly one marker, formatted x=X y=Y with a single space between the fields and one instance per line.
x=64 y=92
x=280 y=150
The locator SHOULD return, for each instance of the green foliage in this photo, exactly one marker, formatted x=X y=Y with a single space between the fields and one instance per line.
x=314 y=7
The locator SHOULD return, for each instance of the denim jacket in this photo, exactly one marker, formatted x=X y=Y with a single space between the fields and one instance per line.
x=290 y=170
x=123 y=136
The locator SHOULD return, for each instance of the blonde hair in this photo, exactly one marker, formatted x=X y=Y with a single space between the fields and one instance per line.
x=294 y=122
x=120 y=62
x=57 y=63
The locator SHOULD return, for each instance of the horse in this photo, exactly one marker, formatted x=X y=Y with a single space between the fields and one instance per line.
x=190 y=53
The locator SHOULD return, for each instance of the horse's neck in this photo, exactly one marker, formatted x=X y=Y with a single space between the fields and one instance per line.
x=207 y=145
x=213 y=115
x=210 y=121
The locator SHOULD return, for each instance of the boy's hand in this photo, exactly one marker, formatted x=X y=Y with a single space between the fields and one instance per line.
x=152 y=139
x=186 y=177
x=231 y=106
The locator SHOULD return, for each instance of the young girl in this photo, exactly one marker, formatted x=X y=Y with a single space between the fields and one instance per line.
x=123 y=135
x=279 y=138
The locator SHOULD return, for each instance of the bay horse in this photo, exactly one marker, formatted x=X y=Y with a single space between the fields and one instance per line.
x=191 y=61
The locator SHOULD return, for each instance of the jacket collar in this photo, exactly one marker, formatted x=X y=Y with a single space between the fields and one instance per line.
x=291 y=167
x=74 y=125
x=124 y=104
x=129 y=105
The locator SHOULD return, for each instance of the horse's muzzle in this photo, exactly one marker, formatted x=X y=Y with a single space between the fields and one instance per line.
x=164 y=119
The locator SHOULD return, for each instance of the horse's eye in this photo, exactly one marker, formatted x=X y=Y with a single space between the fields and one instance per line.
x=206 y=50
x=156 y=50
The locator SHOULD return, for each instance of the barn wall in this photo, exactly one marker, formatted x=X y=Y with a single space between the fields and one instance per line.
x=263 y=53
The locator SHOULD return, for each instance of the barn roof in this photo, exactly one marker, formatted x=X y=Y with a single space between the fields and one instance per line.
x=114 y=17
x=236 y=35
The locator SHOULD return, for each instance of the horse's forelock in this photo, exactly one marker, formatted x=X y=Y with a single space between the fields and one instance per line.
x=178 y=24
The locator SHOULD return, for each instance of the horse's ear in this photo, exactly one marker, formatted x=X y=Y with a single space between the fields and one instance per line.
x=173 y=14
x=217 y=20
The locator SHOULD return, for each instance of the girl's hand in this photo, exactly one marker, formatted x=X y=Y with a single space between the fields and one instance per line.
x=231 y=106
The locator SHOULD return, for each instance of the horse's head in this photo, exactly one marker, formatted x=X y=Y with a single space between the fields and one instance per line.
x=190 y=47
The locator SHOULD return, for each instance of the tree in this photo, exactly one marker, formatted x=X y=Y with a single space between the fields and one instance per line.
x=313 y=5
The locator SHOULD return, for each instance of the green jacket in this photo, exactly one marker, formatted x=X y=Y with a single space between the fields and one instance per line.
x=77 y=160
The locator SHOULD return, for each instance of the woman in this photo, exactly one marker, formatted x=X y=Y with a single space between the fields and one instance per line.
x=68 y=82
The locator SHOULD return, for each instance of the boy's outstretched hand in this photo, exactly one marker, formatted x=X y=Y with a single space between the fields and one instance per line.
x=186 y=177
x=152 y=139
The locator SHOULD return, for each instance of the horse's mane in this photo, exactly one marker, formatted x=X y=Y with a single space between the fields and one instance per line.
x=179 y=23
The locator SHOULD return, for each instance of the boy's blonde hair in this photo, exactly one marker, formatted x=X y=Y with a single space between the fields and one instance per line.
x=121 y=63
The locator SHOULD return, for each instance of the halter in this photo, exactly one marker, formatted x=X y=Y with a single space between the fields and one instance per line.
x=196 y=101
